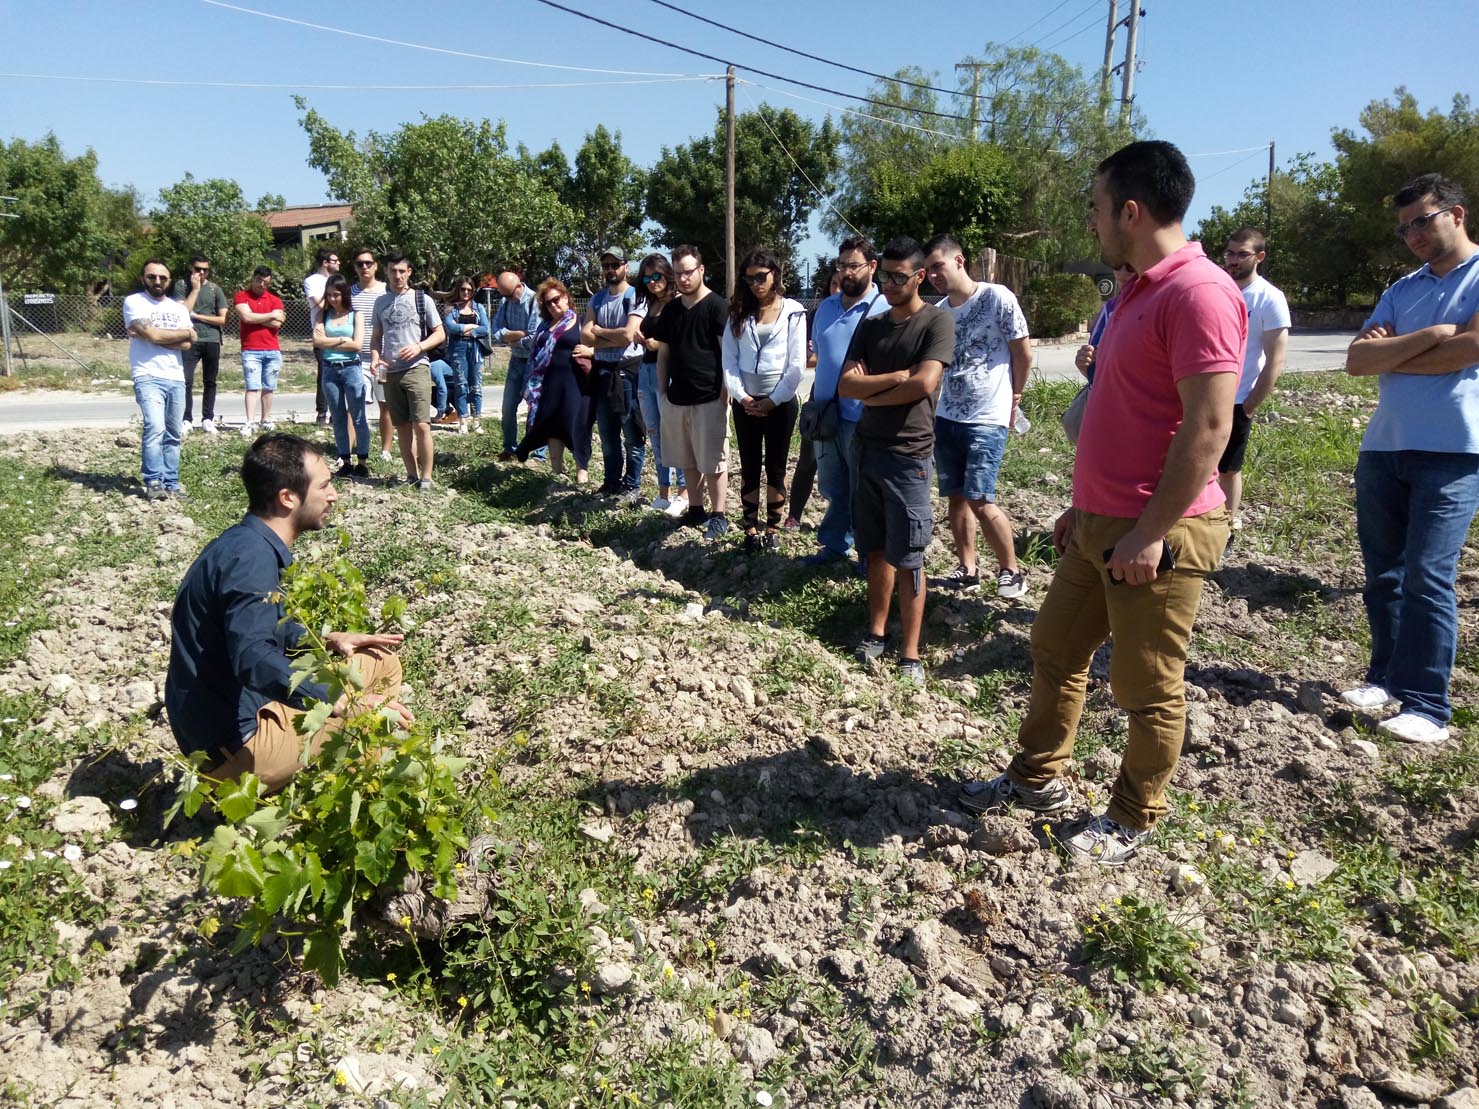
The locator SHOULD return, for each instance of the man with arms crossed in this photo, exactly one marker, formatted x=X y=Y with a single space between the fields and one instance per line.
x=611 y=329
x=982 y=387
x=327 y=259
x=690 y=388
x=229 y=691
x=893 y=366
x=1417 y=480
x=261 y=314
x=406 y=326
x=207 y=305
x=363 y=294
x=1147 y=523
x=1263 y=361
x=832 y=330
x=514 y=324
x=158 y=331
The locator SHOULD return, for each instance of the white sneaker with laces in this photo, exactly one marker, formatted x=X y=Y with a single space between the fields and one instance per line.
x=248 y=430
x=1001 y=792
x=1412 y=728
x=1367 y=697
x=269 y=425
x=186 y=428
x=209 y=427
x=1011 y=584
x=1107 y=842
x=677 y=506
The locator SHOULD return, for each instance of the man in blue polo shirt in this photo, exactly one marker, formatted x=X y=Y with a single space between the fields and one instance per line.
x=229 y=691
x=1417 y=481
x=831 y=334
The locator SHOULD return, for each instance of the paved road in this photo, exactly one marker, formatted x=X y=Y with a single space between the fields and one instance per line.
x=52 y=410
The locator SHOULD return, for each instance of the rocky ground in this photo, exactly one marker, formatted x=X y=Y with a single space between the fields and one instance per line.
x=779 y=891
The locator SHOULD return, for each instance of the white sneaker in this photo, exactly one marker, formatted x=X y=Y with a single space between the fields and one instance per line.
x=209 y=427
x=269 y=425
x=186 y=428
x=1107 y=842
x=461 y=427
x=248 y=430
x=384 y=456
x=676 y=507
x=1412 y=728
x=1367 y=697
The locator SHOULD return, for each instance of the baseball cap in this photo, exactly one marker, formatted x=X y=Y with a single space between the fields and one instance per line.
x=614 y=252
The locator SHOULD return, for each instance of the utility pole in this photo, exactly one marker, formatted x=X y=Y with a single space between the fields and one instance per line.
x=1127 y=89
x=975 y=68
x=729 y=182
x=1268 y=193
x=1106 y=77
x=6 y=369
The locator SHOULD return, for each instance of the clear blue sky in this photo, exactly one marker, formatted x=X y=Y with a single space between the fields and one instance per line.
x=1213 y=77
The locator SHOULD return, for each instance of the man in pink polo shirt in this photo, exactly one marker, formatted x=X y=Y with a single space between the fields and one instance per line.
x=1147 y=522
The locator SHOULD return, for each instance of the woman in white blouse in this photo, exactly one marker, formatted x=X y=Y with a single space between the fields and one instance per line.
x=764 y=353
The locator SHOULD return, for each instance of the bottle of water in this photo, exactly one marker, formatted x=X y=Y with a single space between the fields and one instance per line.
x=1020 y=423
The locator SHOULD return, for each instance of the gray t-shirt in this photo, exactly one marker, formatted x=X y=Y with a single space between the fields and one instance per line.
x=210 y=301
x=395 y=315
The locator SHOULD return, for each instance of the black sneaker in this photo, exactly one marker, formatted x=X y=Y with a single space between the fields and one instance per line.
x=871 y=648
x=695 y=517
x=959 y=579
x=360 y=469
x=752 y=543
x=772 y=540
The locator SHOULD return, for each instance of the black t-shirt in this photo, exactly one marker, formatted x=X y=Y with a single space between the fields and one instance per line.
x=886 y=347
x=695 y=373
x=649 y=331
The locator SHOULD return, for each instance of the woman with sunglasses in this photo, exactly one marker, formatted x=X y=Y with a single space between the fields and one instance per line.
x=655 y=289
x=466 y=321
x=559 y=408
x=763 y=352
x=337 y=336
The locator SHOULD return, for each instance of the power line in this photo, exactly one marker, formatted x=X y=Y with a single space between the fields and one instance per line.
x=752 y=69
x=1091 y=25
x=803 y=53
x=347 y=88
x=854 y=111
x=1220 y=153
x=441 y=49
x=1071 y=19
x=760 y=111
x=1035 y=22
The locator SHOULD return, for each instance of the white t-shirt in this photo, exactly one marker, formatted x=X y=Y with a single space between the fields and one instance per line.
x=977 y=387
x=1267 y=311
x=148 y=359
x=313 y=289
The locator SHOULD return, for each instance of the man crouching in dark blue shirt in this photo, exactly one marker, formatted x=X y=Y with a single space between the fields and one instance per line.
x=228 y=690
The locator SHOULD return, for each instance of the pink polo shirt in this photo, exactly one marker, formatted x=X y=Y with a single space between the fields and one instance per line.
x=1182 y=316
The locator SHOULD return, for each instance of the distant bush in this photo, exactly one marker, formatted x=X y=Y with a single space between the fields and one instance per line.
x=1059 y=304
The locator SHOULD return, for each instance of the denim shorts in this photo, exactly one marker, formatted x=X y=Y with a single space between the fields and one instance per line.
x=260 y=368
x=967 y=457
x=892 y=510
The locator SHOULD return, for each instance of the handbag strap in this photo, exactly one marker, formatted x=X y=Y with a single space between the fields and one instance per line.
x=833 y=399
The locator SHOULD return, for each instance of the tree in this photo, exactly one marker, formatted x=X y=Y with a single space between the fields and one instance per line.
x=212 y=217
x=70 y=228
x=773 y=198
x=445 y=190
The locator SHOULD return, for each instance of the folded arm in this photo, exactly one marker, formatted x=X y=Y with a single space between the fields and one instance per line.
x=1378 y=351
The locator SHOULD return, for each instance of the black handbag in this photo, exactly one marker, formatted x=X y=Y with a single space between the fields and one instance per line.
x=819 y=420
x=485 y=345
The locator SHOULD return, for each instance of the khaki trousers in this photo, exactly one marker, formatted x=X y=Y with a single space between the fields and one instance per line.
x=1151 y=625
x=275 y=753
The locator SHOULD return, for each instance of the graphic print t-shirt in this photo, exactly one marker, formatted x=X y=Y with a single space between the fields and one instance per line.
x=977 y=386
x=148 y=359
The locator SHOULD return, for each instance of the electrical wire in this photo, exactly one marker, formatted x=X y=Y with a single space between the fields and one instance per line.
x=1091 y=25
x=1046 y=15
x=348 y=88
x=1220 y=153
x=439 y=49
x=749 y=68
x=1231 y=166
x=1070 y=20
x=760 y=111
x=804 y=54
x=853 y=111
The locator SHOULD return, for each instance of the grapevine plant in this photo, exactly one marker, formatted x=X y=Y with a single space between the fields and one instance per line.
x=380 y=802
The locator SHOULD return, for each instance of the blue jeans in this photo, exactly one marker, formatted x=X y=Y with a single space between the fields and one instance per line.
x=513 y=396
x=467 y=360
x=967 y=458
x=259 y=369
x=446 y=380
x=344 y=393
x=163 y=405
x=835 y=479
x=651 y=411
x=618 y=426
x=1413 y=510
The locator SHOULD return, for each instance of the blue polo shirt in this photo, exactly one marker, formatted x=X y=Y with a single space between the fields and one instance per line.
x=1428 y=412
x=229 y=652
x=831 y=335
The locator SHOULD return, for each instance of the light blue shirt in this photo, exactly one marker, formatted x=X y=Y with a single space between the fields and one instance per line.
x=831 y=335
x=517 y=315
x=611 y=312
x=1428 y=412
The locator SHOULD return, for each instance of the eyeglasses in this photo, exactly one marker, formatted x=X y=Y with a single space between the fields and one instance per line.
x=756 y=278
x=334 y=260
x=851 y=267
x=1419 y=223
x=156 y=277
x=550 y=302
x=1238 y=255
x=200 y=269
x=892 y=277
x=612 y=265
x=652 y=278
x=687 y=273
x=362 y=262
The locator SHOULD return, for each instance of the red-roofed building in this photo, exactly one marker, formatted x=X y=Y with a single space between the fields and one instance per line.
x=303 y=224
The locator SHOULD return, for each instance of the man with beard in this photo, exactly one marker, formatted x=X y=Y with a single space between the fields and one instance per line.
x=831 y=334
x=1147 y=523
x=229 y=691
x=609 y=328
x=1263 y=361
x=1417 y=480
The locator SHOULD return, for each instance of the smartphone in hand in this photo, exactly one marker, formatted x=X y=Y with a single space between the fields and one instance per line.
x=1167 y=562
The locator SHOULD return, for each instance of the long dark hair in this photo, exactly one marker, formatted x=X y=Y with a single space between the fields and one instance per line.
x=340 y=282
x=743 y=302
x=657 y=263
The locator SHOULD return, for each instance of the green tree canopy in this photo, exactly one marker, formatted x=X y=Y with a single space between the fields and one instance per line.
x=210 y=216
x=773 y=198
x=70 y=229
x=444 y=190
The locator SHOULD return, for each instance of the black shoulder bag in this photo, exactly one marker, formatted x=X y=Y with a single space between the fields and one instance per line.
x=819 y=420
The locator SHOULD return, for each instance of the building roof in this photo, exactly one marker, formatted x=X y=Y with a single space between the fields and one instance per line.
x=307 y=215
